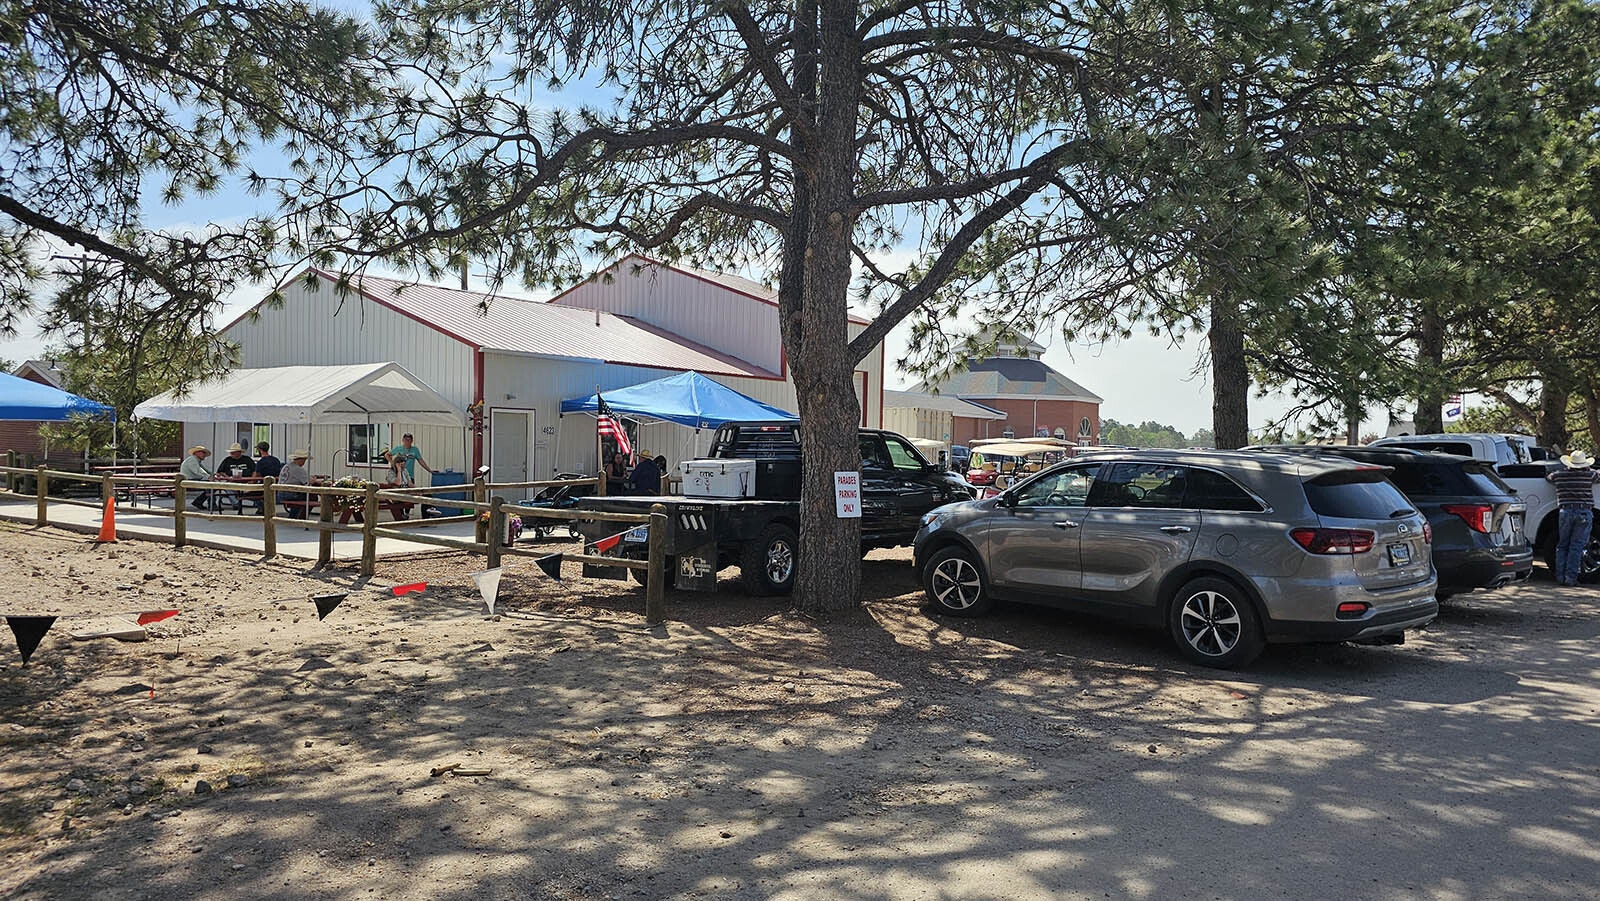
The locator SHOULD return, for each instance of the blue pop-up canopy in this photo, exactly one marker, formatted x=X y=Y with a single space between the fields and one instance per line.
x=688 y=399
x=33 y=402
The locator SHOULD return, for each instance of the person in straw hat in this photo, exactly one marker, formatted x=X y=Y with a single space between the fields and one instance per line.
x=194 y=469
x=1574 y=483
x=295 y=473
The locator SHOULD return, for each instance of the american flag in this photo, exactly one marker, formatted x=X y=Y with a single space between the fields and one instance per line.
x=607 y=425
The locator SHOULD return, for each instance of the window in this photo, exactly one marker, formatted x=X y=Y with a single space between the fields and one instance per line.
x=1067 y=487
x=1214 y=491
x=873 y=454
x=1364 y=494
x=1152 y=484
x=1085 y=428
x=367 y=444
x=903 y=456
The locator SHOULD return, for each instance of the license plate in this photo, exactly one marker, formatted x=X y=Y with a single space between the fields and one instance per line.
x=637 y=534
x=1399 y=554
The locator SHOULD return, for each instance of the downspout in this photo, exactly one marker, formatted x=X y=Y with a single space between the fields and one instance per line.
x=477 y=400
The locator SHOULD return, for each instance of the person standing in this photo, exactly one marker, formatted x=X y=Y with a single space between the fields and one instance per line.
x=1574 y=483
x=266 y=466
x=194 y=469
x=412 y=456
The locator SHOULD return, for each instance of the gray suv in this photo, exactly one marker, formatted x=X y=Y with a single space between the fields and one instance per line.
x=1227 y=550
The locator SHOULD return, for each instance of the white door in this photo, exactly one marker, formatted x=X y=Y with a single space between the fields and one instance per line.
x=509 y=432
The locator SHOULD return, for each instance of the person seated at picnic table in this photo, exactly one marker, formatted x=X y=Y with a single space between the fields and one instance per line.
x=617 y=474
x=236 y=467
x=398 y=476
x=194 y=469
x=646 y=477
x=295 y=473
x=266 y=466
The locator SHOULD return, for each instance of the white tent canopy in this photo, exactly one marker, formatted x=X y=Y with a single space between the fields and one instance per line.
x=325 y=395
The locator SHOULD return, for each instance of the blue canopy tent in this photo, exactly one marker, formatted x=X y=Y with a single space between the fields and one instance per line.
x=688 y=399
x=21 y=399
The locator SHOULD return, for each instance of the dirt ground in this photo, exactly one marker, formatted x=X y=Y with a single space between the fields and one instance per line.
x=744 y=751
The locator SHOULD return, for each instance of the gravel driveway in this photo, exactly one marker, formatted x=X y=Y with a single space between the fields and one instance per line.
x=744 y=751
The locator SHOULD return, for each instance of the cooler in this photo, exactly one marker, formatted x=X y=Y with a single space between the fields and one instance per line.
x=719 y=478
x=447 y=477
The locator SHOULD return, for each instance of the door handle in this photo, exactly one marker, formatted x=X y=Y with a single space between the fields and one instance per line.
x=1176 y=530
x=1065 y=524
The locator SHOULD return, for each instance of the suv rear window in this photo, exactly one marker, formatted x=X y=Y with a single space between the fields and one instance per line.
x=1357 y=494
x=1441 y=478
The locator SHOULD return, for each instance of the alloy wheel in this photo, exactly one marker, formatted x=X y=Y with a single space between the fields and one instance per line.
x=780 y=562
x=956 y=584
x=1211 y=624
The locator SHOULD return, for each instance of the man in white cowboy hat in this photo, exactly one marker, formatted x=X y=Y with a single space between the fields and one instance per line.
x=194 y=469
x=295 y=473
x=1574 y=483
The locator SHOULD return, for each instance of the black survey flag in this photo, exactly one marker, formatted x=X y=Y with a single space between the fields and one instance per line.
x=551 y=564
x=29 y=631
x=326 y=602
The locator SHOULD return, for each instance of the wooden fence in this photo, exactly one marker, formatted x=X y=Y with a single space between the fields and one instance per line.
x=487 y=540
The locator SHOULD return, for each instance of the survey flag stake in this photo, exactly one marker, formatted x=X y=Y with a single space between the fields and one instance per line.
x=400 y=590
x=29 y=631
x=326 y=602
x=488 y=583
x=551 y=564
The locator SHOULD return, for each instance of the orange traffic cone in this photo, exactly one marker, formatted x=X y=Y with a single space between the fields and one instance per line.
x=108 y=524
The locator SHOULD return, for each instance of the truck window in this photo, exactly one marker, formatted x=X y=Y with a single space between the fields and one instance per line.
x=873 y=454
x=903 y=456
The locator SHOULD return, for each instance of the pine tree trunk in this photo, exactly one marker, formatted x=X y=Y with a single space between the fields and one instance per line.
x=1430 y=357
x=1230 y=378
x=829 y=573
x=1591 y=415
x=1553 y=399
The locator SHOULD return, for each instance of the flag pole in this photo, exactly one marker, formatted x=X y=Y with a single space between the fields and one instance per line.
x=599 y=444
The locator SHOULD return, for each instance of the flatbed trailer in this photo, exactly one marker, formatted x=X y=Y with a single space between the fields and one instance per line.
x=704 y=536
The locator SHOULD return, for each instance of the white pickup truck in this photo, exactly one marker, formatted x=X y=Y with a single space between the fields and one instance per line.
x=1512 y=457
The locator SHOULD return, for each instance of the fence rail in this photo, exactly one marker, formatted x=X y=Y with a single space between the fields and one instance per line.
x=487 y=539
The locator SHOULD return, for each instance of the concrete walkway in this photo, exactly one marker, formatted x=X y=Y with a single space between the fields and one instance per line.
x=242 y=533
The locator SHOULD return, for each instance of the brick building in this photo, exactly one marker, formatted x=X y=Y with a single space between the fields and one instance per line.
x=1036 y=399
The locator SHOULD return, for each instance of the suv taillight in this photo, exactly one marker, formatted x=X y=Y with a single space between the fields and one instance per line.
x=1478 y=517
x=1334 y=541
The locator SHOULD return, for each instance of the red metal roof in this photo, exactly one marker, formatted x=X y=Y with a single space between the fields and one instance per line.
x=497 y=322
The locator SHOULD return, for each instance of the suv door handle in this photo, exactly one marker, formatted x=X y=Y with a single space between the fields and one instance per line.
x=1065 y=524
x=1176 y=530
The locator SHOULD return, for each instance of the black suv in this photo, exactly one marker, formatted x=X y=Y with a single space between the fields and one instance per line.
x=897 y=484
x=1477 y=519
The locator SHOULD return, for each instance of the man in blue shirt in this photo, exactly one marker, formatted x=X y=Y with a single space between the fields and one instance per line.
x=408 y=452
x=646 y=477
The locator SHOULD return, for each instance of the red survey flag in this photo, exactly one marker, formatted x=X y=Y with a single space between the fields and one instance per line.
x=407 y=589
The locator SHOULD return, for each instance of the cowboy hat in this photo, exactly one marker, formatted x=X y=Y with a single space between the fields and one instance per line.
x=236 y=446
x=1577 y=459
x=298 y=454
x=199 y=449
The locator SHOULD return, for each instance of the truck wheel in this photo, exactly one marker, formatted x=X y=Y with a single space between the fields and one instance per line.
x=642 y=576
x=767 y=565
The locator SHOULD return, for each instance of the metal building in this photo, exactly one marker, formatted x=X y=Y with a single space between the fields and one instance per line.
x=510 y=362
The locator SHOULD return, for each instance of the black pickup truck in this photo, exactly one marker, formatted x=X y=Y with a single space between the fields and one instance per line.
x=760 y=534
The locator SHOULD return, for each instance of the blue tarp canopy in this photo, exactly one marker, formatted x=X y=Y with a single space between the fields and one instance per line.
x=33 y=402
x=688 y=399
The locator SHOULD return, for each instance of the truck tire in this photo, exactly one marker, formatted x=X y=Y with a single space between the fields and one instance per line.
x=767 y=565
x=669 y=565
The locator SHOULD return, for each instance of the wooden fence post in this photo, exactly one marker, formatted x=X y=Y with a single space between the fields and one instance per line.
x=655 y=588
x=269 y=519
x=107 y=490
x=369 y=540
x=480 y=493
x=41 y=516
x=324 y=534
x=497 y=532
x=180 y=510
x=11 y=477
